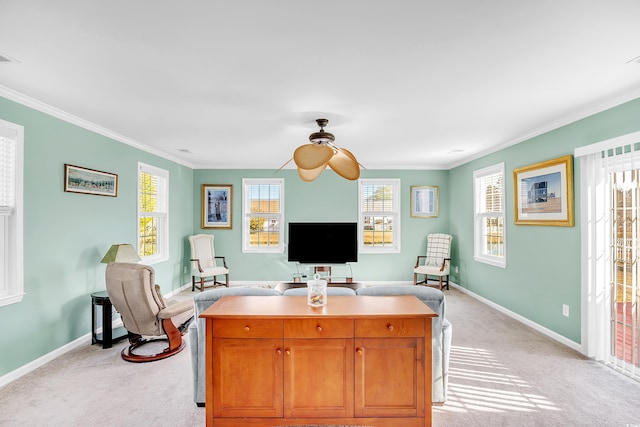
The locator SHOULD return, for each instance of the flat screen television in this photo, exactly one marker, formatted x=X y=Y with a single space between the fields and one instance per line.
x=323 y=242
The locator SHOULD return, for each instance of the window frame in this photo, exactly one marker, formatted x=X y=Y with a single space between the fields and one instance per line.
x=162 y=234
x=395 y=183
x=478 y=239
x=246 y=216
x=12 y=251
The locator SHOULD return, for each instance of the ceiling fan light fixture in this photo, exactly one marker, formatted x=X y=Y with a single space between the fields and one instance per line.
x=322 y=137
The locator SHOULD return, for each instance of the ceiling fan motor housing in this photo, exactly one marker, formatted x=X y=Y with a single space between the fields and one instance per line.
x=321 y=137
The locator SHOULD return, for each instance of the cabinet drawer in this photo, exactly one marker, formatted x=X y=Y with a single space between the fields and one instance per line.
x=391 y=327
x=247 y=328
x=318 y=328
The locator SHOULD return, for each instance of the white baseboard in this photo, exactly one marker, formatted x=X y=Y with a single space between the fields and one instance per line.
x=86 y=339
x=549 y=333
x=41 y=361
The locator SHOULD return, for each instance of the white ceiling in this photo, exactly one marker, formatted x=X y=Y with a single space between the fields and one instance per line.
x=415 y=84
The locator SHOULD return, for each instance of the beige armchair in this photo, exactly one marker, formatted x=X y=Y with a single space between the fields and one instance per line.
x=436 y=262
x=204 y=267
x=146 y=316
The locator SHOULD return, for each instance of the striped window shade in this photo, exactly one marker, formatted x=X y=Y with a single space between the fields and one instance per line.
x=7 y=172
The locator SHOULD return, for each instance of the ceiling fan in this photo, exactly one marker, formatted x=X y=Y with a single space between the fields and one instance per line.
x=311 y=159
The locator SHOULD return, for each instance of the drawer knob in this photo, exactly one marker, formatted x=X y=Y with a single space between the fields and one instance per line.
x=359 y=351
x=278 y=351
x=319 y=328
x=390 y=327
x=247 y=328
x=287 y=352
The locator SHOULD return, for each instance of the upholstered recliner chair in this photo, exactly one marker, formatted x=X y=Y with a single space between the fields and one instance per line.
x=145 y=314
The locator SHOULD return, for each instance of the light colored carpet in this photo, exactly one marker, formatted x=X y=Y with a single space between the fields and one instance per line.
x=502 y=374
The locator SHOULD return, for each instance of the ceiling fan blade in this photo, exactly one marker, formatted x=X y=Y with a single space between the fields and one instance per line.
x=345 y=164
x=312 y=156
x=308 y=175
x=285 y=164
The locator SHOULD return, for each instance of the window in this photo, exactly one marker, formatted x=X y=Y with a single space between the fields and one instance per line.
x=489 y=228
x=153 y=214
x=379 y=215
x=11 y=235
x=263 y=215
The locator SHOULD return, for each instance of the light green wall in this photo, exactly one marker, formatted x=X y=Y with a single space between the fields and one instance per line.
x=329 y=198
x=66 y=234
x=543 y=263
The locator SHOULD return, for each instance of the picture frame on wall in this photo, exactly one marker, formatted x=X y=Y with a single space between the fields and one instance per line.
x=424 y=201
x=78 y=179
x=544 y=193
x=216 y=205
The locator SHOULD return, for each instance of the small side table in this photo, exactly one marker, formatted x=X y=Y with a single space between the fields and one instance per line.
x=108 y=335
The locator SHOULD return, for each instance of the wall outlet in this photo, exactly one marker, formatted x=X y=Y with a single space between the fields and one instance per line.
x=565 y=310
x=456 y=269
x=185 y=269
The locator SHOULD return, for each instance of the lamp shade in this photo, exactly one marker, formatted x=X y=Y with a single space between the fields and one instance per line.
x=122 y=252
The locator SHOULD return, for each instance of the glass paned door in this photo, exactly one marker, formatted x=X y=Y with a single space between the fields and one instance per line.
x=625 y=323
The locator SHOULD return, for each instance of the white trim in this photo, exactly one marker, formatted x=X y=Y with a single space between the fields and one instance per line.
x=619 y=141
x=41 y=361
x=70 y=118
x=14 y=273
x=247 y=215
x=478 y=217
x=162 y=242
x=555 y=124
x=548 y=332
x=62 y=115
x=395 y=214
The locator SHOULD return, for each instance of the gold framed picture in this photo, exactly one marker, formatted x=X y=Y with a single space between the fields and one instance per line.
x=216 y=205
x=544 y=193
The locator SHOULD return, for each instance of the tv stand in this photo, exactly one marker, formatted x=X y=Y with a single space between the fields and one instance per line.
x=281 y=287
x=305 y=272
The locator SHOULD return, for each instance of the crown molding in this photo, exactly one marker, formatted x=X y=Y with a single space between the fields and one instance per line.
x=558 y=123
x=50 y=110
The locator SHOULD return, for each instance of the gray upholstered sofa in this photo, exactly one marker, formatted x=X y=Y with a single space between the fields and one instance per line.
x=433 y=298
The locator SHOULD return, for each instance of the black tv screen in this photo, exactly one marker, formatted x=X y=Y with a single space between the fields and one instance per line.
x=323 y=242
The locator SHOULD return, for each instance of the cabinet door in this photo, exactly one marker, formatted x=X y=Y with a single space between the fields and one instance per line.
x=247 y=377
x=389 y=377
x=318 y=378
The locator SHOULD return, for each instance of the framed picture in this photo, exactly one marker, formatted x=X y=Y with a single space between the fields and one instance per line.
x=88 y=181
x=424 y=201
x=544 y=193
x=216 y=205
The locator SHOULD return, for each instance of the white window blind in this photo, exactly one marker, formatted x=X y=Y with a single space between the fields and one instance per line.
x=7 y=172
x=153 y=213
x=263 y=212
x=610 y=218
x=489 y=225
x=11 y=217
x=379 y=215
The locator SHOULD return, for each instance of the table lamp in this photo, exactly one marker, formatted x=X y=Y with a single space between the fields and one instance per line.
x=122 y=252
